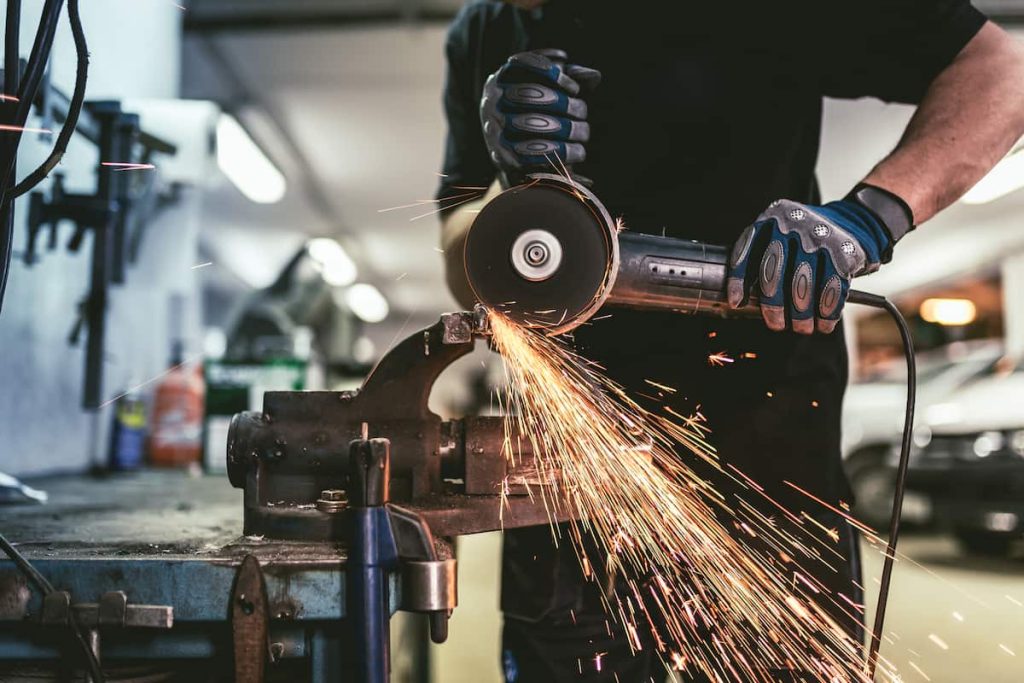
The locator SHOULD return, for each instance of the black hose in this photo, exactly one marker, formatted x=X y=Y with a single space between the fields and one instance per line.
x=12 y=75
x=29 y=86
x=27 y=89
x=74 y=108
x=901 y=471
x=26 y=92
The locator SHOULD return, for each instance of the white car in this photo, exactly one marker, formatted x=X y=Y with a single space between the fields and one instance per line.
x=971 y=460
x=873 y=421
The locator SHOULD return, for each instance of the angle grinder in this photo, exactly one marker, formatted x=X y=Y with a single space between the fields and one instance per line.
x=548 y=254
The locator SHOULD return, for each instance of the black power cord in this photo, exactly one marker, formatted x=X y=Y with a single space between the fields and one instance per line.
x=74 y=108
x=881 y=302
x=24 y=92
x=28 y=86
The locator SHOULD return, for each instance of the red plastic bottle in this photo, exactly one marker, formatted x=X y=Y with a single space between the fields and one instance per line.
x=176 y=435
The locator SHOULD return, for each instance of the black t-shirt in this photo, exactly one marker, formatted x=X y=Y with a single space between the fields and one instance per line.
x=707 y=112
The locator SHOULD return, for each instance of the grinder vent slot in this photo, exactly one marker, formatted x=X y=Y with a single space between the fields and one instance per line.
x=676 y=273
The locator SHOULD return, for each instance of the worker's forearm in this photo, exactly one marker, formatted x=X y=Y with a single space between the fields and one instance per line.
x=454 y=229
x=970 y=117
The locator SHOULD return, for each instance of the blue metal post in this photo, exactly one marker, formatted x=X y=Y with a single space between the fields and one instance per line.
x=372 y=554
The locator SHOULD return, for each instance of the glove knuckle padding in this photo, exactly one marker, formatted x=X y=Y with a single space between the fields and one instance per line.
x=533 y=123
x=830 y=300
x=741 y=249
x=802 y=292
x=770 y=274
x=736 y=289
x=532 y=94
x=539 y=152
x=772 y=263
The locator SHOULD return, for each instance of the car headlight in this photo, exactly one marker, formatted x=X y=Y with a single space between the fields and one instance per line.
x=923 y=436
x=988 y=443
x=1017 y=442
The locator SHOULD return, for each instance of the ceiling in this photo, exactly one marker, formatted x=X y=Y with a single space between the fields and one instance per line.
x=345 y=96
x=353 y=117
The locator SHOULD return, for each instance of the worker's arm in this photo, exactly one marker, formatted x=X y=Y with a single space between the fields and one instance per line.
x=971 y=115
x=799 y=259
x=454 y=228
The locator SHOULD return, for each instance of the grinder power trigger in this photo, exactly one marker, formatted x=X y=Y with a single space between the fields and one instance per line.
x=547 y=254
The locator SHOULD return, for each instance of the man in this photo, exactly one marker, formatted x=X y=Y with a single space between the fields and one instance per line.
x=694 y=119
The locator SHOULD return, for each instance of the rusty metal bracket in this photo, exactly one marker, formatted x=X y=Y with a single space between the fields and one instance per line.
x=250 y=622
x=113 y=609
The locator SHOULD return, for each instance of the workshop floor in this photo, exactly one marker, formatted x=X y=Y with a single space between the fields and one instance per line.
x=957 y=619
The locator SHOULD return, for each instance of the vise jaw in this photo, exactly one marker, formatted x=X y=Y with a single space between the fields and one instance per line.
x=454 y=474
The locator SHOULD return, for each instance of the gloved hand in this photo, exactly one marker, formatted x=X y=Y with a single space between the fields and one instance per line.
x=533 y=116
x=799 y=259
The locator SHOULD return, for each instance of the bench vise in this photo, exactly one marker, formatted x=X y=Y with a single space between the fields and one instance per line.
x=378 y=471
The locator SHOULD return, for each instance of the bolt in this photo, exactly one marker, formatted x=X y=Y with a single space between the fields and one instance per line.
x=332 y=501
x=246 y=604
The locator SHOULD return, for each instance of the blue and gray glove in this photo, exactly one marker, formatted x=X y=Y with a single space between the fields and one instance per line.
x=798 y=260
x=533 y=114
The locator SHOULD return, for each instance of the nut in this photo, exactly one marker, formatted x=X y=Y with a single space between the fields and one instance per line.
x=332 y=500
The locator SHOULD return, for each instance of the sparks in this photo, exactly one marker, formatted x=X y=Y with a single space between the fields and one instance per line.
x=127 y=166
x=717 y=604
x=717 y=360
x=23 y=129
x=916 y=668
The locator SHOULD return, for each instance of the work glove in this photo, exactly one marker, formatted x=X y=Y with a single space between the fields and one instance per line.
x=534 y=116
x=798 y=259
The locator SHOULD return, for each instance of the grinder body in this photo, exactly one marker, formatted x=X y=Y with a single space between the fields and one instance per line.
x=548 y=254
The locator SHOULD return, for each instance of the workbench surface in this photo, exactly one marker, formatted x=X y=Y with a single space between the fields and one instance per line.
x=165 y=538
x=154 y=514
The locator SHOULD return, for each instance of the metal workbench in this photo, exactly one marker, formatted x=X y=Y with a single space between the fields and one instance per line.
x=166 y=539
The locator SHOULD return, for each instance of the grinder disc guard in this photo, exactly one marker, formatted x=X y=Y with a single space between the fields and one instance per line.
x=544 y=254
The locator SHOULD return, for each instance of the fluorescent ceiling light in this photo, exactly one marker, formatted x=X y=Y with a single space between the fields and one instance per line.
x=1006 y=177
x=245 y=164
x=330 y=258
x=367 y=302
x=948 y=311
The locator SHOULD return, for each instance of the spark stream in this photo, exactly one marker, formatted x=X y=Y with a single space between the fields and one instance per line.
x=709 y=602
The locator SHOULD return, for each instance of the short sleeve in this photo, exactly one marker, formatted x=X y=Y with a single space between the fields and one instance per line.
x=893 y=49
x=466 y=165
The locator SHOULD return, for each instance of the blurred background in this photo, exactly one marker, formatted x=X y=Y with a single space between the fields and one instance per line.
x=262 y=250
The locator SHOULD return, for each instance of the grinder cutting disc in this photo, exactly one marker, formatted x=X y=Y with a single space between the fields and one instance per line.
x=544 y=253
